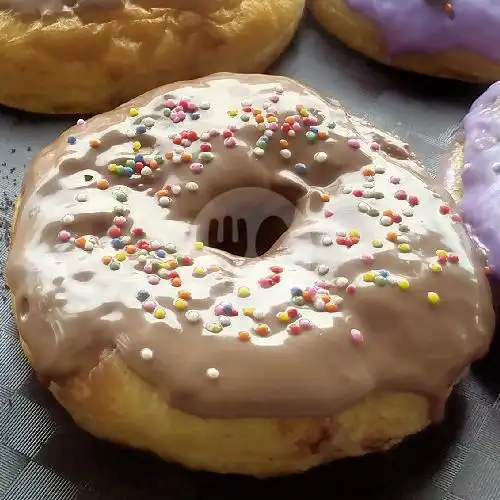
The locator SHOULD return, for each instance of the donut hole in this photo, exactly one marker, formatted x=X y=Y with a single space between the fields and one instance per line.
x=248 y=221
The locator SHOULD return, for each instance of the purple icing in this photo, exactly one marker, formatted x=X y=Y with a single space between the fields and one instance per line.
x=481 y=176
x=421 y=26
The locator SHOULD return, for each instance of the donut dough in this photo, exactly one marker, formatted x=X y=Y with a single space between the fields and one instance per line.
x=96 y=55
x=456 y=38
x=346 y=334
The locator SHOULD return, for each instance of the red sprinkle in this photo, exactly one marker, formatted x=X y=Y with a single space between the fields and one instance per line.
x=114 y=231
x=456 y=218
x=444 y=209
x=292 y=312
x=413 y=201
x=400 y=195
x=442 y=259
x=351 y=289
x=266 y=282
x=358 y=193
x=453 y=258
x=294 y=329
x=276 y=269
x=137 y=231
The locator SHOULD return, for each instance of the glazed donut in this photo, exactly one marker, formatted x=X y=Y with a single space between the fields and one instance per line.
x=87 y=56
x=338 y=330
x=447 y=38
x=473 y=178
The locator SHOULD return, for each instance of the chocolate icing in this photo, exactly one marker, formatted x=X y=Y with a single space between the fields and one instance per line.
x=73 y=310
x=424 y=26
x=481 y=182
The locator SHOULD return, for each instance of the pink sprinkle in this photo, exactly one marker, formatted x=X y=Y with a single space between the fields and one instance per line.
x=196 y=168
x=170 y=103
x=328 y=213
x=64 y=236
x=119 y=221
x=354 y=143
x=185 y=143
x=456 y=218
x=351 y=289
x=357 y=336
x=230 y=142
x=232 y=127
x=367 y=259
x=305 y=324
x=148 y=268
x=153 y=279
x=375 y=146
x=395 y=180
x=296 y=127
x=214 y=133
x=149 y=305
x=273 y=126
x=219 y=310
x=184 y=103
x=274 y=98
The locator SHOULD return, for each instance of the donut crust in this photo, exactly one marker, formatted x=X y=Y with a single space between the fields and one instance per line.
x=362 y=35
x=100 y=58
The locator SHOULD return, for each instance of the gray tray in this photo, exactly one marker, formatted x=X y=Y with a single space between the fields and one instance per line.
x=43 y=456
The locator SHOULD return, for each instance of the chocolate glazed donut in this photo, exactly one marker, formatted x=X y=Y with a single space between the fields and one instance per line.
x=345 y=325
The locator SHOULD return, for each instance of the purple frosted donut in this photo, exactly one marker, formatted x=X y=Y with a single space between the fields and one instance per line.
x=459 y=38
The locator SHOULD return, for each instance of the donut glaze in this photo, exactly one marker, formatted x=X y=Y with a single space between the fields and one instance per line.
x=46 y=7
x=480 y=177
x=375 y=286
x=424 y=26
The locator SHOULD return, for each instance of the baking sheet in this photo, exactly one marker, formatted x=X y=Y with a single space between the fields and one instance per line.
x=43 y=456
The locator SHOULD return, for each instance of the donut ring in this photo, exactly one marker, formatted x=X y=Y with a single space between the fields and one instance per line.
x=261 y=366
x=433 y=37
x=97 y=55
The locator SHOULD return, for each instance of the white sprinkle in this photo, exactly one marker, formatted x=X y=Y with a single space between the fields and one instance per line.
x=369 y=193
x=81 y=197
x=126 y=239
x=148 y=121
x=341 y=282
x=380 y=170
x=205 y=105
x=322 y=269
x=285 y=154
x=320 y=157
x=261 y=127
x=369 y=185
x=130 y=134
x=336 y=299
x=146 y=172
x=213 y=373
x=205 y=136
x=363 y=207
x=346 y=189
x=170 y=248
x=403 y=239
x=258 y=152
x=192 y=186
x=163 y=273
x=258 y=315
x=278 y=89
x=268 y=133
x=68 y=219
x=165 y=201
x=246 y=103
x=385 y=220
x=192 y=316
x=89 y=246
x=407 y=212
x=81 y=121
x=342 y=234
x=177 y=159
x=319 y=305
x=176 y=189
x=142 y=259
x=146 y=354
x=156 y=244
x=225 y=320
x=291 y=133
x=327 y=241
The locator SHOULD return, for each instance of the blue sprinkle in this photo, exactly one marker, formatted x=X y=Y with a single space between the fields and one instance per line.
x=129 y=172
x=195 y=116
x=228 y=309
x=139 y=158
x=296 y=291
x=314 y=129
x=383 y=273
x=117 y=243
x=142 y=295
x=161 y=253
x=264 y=138
x=300 y=168
x=71 y=139
x=141 y=129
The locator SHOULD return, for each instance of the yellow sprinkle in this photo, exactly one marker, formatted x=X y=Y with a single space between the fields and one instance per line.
x=404 y=248
x=404 y=284
x=133 y=112
x=435 y=267
x=325 y=197
x=377 y=243
x=283 y=316
x=441 y=253
x=368 y=277
x=136 y=145
x=248 y=311
x=180 y=304
x=304 y=112
x=159 y=313
x=244 y=292
x=112 y=167
x=353 y=233
x=198 y=245
x=433 y=298
x=232 y=112
x=199 y=271
x=272 y=119
x=121 y=256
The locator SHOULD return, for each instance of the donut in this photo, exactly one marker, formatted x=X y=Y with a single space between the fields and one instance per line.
x=473 y=178
x=161 y=316
x=86 y=56
x=446 y=38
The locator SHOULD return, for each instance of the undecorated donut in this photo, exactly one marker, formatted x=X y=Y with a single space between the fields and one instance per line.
x=447 y=38
x=83 y=56
x=162 y=316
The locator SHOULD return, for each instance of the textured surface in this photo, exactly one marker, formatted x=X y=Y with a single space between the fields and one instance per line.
x=44 y=457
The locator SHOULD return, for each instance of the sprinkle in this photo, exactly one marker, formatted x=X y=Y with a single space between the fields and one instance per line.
x=102 y=184
x=180 y=304
x=351 y=289
x=80 y=122
x=404 y=248
x=453 y=258
x=142 y=295
x=341 y=282
x=433 y=298
x=403 y=284
x=244 y=336
x=213 y=373
x=322 y=269
x=114 y=265
x=244 y=292
x=385 y=220
x=153 y=280
x=367 y=259
x=199 y=272
x=377 y=243
x=354 y=143
x=262 y=329
x=106 y=259
x=369 y=277
x=375 y=146
x=327 y=241
x=165 y=201
x=435 y=267
x=407 y=212
x=192 y=316
x=258 y=315
x=64 y=236
x=81 y=197
x=444 y=209
x=413 y=201
x=356 y=336
x=94 y=143
x=225 y=321
x=133 y=112
x=120 y=195
x=320 y=157
x=286 y=154
x=149 y=305
x=146 y=354
x=395 y=180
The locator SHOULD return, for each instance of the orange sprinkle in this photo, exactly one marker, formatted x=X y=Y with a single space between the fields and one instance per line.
x=95 y=143
x=392 y=236
x=130 y=249
x=153 y=164
x=184 y=294
x=307 y=296
x=169 y=155
x=331 y=307
x=325 y=299
x=256 y=111
x=102 y=184
x=106 y=259
x=214 y=269
x=80 y=242
x=176 y=282
x=388 y=213
x=171 y=264
x=244 y=336
x=325 y=197
x=283 y=143
x=186 y=156
x=368 y=172
x=322 y=134
x=259 y=118
x=161 y=192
